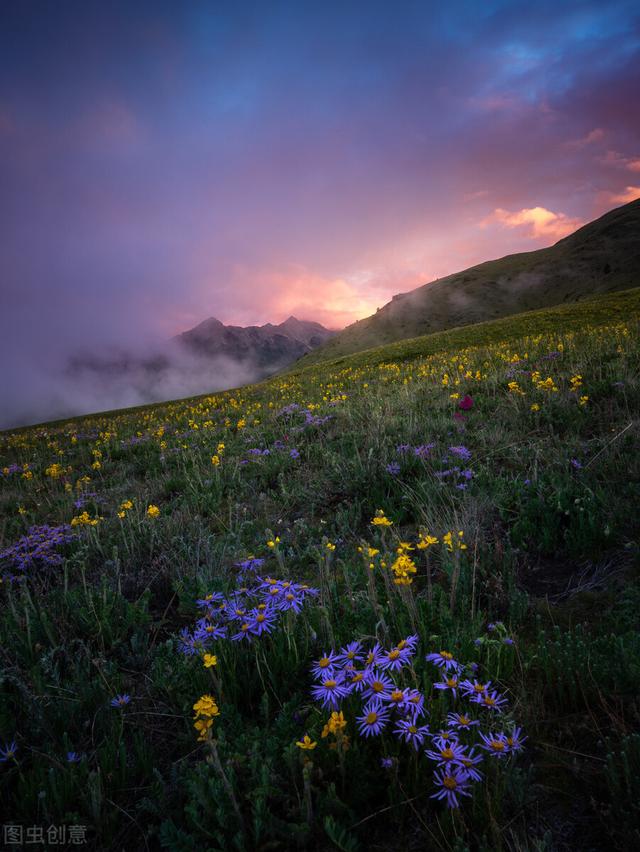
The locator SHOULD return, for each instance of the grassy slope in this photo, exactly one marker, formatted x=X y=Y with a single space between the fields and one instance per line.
x=601 y=257
x=552 y=552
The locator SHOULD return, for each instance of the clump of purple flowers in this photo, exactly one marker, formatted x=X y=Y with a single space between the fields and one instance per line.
x=36 y=550
x=372 y=675
x=250 y=611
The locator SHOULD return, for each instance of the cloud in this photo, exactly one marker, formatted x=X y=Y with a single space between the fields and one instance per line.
x=537 y=223
x=591 y=138
x=615 y=158
x=631 y=193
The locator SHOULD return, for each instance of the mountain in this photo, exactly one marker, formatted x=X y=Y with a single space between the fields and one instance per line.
x=600 y=257
x=268 y=347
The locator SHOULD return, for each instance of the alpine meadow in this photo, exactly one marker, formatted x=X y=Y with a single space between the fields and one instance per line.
x=388 y=601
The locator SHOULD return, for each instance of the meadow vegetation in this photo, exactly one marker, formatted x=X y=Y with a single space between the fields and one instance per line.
x=388 y=602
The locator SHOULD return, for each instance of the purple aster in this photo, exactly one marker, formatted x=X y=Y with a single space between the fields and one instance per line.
x=8 y=752
x=450 y=682
x=331 y=692
x=395 y=659
x=491 y=700
x=356 y=680
x=120 y=700
x=453 y=782
x=414 y=703
x=295 y=454
x=411 y=733
x=374 y=656
x=374 y=718
x=74 y=757
x=461 y=452
x=262 y=621
x=393 y=468
x=446 y=752
x=387 y=762
x=243 y=633
x=471 y=760
x=212 y=598
x=402 y=448
x=515 y=740
x=351 y=653
x=291 y=599
x=377 y=684
x=325 y=666
x=423 y=451
x=473 y=687
x=495 y=744
x=443 y=659
x=461 y=721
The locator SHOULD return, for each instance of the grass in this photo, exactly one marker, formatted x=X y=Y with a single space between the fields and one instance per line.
x=98 y=610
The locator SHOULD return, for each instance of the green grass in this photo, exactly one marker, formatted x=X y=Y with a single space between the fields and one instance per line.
x=552 y=553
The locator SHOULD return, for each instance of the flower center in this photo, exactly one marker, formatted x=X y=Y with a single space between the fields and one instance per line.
x=372 y=718
x=450 y=782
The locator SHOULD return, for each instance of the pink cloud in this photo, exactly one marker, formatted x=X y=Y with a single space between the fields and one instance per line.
x=614 y=158
x=592 y=137
x=537 y=223
x=631 y=193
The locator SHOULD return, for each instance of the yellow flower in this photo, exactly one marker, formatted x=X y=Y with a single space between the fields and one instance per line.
x=153 y=511
x=583 y=400
x=215 y=460
x=330 y=546
x=426 y=541
x=272 y=542
x=22 y=510
x=535 y=407
x=335 y=724
x=209 y=660
x=96 y=465
x=381 y=520
x=84 y=520
x=306 y=743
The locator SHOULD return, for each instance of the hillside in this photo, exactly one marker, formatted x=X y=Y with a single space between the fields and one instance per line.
x=261 y=618
x=601 y=257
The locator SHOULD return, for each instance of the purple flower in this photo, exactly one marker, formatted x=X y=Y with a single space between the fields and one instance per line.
x=325 y=666
x=461 y=721
x=423 y=451
x=373 y=719
x=262 y=621
x=443 y=659
x=395 y=659
x=330 y=692
x=393 y=468
x=450 y=682
x=515 y=740
x=495 y=744
x=120 y=701
x=351 y=653
x=491 y=700
x=387 y=762
x=415 y=735
x=461 y=452
x=446 y=752
x=402 y=448
x=74 y=757
x=575 y=463
x=453 y=782
x=469 y=761
x=8 y=752
x=295 y=454
x=474 y=687
x=377 y=685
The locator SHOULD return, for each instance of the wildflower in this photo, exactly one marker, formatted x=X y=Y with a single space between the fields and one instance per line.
x=583 y=401
x=73 y=757
x=330 y=546
x=243 y=633
x=471 y=760
x=377 y=685
x=414 y=703
x=84 y=520
x=335 y=724
x=449 y=682
x=453 y=543
x=294 y=454
x=205 y=709
x=324 y=667
x=490 y=700
x=272 y=543
x=443 y=659
x=495 y=744
x=466 y=403
x=8 y=752
x=426 y=541
x=215 y=460
x=120 y=700
x=453 y=782
x=306 y=743
x=515 y=740
x=393 y=468
x=395 y=659
x=387 y=762
x=403 y=568
x=374 y=718
x=535 y=407
x=469 y=688
x=461 y=452
x=153 y=511
x=446 y=751
x=209 y=660
x=262 y=622
x=351 y=653
x=461 y=721
x=330 y=692
x=381 y=520
x=407 y=730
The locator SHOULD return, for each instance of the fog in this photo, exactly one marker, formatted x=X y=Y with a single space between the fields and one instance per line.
x=59 y=386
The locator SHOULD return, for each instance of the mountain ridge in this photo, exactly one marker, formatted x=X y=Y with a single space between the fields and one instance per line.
x=600 y=257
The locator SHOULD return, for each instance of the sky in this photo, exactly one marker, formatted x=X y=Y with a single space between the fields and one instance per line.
x=163 y=162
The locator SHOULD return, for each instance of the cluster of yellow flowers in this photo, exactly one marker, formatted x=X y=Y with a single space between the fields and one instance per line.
x=209 y=660
x=125 y=507
x=153 y=511
x=83 y=520
x=205 y=710
x=454 y=543
x=381 y=520
x=404 y=567
x=55 y=470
